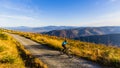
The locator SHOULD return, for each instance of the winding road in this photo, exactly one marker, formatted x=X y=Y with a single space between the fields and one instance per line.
x=52 y=58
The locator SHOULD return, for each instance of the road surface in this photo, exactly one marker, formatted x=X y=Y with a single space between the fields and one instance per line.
x=51 y=57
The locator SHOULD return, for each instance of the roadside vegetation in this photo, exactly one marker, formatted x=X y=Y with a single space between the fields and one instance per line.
x=9 y=55
x=106 y=55
x=29 y=59
x=14 y=55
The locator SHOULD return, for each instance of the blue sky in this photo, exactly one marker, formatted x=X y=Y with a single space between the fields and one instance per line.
x=35 y=13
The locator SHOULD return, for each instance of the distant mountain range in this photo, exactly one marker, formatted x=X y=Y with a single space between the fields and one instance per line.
x=102 y=35
x=110 y=39
x=39 y=29
x=84 y=31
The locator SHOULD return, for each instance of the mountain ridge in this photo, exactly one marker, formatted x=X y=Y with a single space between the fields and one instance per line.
x=99 y=35
x=39 y=29
x=109 y=39
x=84 y=31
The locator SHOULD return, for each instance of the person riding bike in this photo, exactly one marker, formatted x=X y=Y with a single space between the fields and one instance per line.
x=64 y=45
x=66 y=50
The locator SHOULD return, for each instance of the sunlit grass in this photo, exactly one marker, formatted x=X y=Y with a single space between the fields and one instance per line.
x=14 y=55
x=107 y=55
x=30 y=60
x=9 y=55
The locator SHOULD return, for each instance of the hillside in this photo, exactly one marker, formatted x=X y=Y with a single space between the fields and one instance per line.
x=14 y=55
x=84 y=31
x=9 y=54
x=110 y=39
x=106 y=55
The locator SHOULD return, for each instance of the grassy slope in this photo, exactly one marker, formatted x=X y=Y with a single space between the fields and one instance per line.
x=30 y=60
x=9 y=55
x=12 y=54
x=96 y=52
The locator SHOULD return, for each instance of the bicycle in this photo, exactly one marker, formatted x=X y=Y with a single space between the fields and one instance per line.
x=67 y=51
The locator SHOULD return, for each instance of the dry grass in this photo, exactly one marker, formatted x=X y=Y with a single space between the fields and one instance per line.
x=9 y=55
x=14 y=55
x=30 y=60
x=106 y=55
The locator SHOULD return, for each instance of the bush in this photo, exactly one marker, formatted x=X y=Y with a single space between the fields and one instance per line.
x=2 y=48
x=7 y=59
x=3 y=37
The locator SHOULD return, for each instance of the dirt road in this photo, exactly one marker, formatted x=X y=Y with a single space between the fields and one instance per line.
x=52 y=58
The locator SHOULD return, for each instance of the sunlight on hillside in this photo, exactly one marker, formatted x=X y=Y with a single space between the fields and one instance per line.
x=9 y=55
x=107 y=55
x=14 y=55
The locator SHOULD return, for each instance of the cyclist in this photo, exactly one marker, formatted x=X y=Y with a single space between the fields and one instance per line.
x=64 y=45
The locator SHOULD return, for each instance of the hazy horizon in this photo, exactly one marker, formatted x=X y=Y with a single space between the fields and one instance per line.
x=38 y=13
x=58 y=26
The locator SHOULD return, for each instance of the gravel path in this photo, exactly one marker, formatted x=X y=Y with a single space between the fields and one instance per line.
x=52 y=58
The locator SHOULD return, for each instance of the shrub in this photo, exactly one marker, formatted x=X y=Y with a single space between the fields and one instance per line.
x=7 y=59
x=2 y=48
x=3 y=37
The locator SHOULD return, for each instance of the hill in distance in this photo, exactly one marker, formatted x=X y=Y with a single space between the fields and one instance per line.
x=84 y=31
x=102 y=35
x=110 y=39
x=39 y=29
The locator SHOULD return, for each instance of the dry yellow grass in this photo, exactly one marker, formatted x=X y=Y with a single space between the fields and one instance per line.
x=30 y=60
x=12 y=54
x=9 y=55
x=106 y=55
